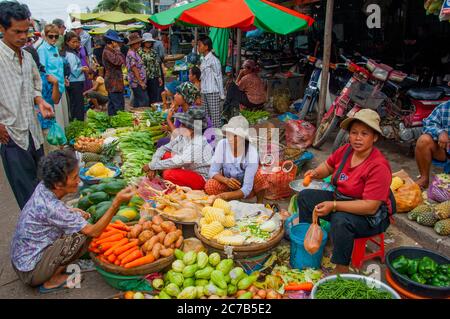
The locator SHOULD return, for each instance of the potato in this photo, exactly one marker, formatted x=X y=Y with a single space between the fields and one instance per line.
x=156 y=250
x=179 y=242
x=156 y=228
x=135 y=231
x=262 y=294
x=149 y=244
x=144 y=236
x=166 y=252
x=161 y=237
x=157 y=220
x=171 y=238
x=147 y=225
x=168 y=226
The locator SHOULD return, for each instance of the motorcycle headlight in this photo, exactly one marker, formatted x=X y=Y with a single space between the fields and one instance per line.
x=380 y=74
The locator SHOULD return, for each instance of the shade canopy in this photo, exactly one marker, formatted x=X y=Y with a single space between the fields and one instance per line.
x=117 y=27
x=242 y=14
x=113 y=17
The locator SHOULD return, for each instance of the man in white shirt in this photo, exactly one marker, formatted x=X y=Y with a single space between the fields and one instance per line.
x=20 y=87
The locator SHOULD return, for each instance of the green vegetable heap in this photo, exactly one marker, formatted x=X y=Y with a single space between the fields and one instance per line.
x=424 y=271
x=122 y=119
x=254 y=116
x=349 y=289
x=77 y=128
x=98 y=120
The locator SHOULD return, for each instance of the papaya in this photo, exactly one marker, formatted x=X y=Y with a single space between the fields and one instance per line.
x=136 y=201
x=84 y=203
x=101 y=187
x=91 y=210
x=114 y=187
x=121 y=218
x=101 y=209
x=129 y=212
x=86 y=191
x=98 y=197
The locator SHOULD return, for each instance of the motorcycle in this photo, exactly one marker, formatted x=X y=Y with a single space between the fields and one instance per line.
x=403 y=108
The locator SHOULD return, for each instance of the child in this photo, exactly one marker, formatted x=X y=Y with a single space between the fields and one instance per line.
x=98 y=95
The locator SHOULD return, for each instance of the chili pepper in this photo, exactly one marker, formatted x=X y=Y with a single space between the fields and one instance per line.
x=400 y=264
x=413 y=265
x=440 y=280
x=418 y=278
x=444 y=269
x=427 y=267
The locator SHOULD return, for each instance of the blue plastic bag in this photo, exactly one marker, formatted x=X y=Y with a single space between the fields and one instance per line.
x=56 y=135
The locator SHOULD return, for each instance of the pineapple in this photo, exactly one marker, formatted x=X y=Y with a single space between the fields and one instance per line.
x=91 y=157
x=396 y=183
x=427 y=219
x=443 y=210
x=93 y=147
x=412 y=215
x=442 y=227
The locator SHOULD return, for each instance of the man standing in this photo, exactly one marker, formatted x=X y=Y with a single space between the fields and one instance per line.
x=113 y=60
x=434 y=142
x=20 y=87
x=85 y=37
x=158 y=47
x=62 y=29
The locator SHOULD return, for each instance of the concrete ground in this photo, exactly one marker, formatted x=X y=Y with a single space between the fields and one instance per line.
x=94 y=286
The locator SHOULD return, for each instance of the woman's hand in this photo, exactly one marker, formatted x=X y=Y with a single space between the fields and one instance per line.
x=149 y=172
x=312 y=173
x=443 y=140
x=81 y=212
x=223 y=196
x=85 y=69
x=233 y=183
x=324 y=208
x=125 y=195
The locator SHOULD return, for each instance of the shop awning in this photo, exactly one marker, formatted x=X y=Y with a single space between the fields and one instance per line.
x=113 y=17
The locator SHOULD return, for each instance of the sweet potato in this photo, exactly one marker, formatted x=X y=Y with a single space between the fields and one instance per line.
x=156 y=250
x=157 y=220
x=148 y=246
x=179 y=242
x=161 y=237
x=166 y=252
x=147 y=225
x=171 y=238
x=168 y=226
x=135 y=231
x=145 y=235
x=156 y=228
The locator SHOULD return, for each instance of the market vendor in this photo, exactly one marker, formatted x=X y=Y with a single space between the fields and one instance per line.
x=49 y=235
x=186 y=159
x=235 y=172
x=434 y=142
x=248 y=90
x=169 y=92
x=360 y=206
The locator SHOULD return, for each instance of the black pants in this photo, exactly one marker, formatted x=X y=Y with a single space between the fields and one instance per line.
x=116 y=103
x=76 y=100
x=153 y=90
x=21 y=168
x=235 y=97
x=140 y=97
x=345 y=227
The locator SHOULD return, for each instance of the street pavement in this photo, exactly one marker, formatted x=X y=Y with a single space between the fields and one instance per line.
x=93 y=285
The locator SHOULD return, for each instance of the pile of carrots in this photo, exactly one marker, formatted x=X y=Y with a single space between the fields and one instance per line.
x=114 y=247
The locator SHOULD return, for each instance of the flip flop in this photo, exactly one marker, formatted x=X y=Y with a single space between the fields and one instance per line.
x=44 y=290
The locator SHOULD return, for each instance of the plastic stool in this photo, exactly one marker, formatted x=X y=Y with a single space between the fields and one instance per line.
x=359 y=250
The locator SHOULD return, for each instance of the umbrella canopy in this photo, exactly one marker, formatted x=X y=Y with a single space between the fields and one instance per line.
x=243 y=14
x=219 y=38
x=113 y=17
x=119 y=28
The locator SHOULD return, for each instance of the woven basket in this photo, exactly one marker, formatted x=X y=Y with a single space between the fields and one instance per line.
x=241 y=251
x=153 y=267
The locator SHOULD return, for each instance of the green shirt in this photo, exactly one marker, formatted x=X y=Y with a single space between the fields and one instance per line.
x=151 y=62
x=60 y=42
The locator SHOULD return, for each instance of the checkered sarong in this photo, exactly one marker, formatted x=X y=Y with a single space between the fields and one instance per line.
x=213 y=187
x=211 y=103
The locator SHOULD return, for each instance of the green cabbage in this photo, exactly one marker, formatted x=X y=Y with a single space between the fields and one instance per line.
x=158 y=283
x=188 y=293
x=178 y=266
x=212 y=289
x=214 y=259
x=172 y=290
x=176 y=278
x=202 y=260
x=190 y=258
x=179 y=254
x=189 y=271
x=188 y=282
x=201 y=282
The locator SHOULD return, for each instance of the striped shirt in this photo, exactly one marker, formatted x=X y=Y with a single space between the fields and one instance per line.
x=192 y=154
x=19 y=85
x=211 y=78
x=438 y=121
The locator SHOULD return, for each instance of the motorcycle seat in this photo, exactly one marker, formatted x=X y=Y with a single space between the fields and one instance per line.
x=446 y=89
x=433 y=93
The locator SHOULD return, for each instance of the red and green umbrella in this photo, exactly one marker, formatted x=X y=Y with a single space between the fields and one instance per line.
x=243 y=14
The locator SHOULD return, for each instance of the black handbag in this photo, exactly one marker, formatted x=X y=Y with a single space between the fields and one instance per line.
x=382 y=212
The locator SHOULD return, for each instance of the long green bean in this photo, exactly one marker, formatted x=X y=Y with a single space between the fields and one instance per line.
x=349 y=289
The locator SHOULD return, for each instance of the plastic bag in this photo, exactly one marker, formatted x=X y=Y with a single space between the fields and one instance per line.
x=408 y=197
x=314 y=235
x=279 y=178
x=439 y=190
x=299 y=134
x=56 y=135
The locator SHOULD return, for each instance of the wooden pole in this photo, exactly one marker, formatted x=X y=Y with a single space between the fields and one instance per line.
x=238 y=45
x=326 y=59
x=196 y=38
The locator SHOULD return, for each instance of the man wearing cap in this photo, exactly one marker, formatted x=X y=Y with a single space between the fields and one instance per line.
x=152 y=66
x=186 y=159
x=362 y=202
x=113 y=60
x=137 y=75
x=85 y=37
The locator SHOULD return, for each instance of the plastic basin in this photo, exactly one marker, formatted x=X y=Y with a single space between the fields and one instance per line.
x=408 y=284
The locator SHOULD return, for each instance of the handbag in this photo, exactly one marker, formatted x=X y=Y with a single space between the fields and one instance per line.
x=382 y=212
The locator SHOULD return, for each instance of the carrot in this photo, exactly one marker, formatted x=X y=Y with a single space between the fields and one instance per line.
x=120 y=243
x=124 y=248
x=103 y=259
x=141 y=261
x=95 y=250
x=305 y=286
x=114 y=237
x=120 y=227
x=307 y=180
x=131 y=257
x=112 y=258
x=107 y=234
x=125 y=254
x=104 y=247
x=117 y=262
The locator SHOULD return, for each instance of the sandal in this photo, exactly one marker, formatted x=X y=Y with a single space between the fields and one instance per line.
x=44 y=290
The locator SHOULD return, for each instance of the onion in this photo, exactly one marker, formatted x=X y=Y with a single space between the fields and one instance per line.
x=253 y=290
x=262 y=293
x=271 y=294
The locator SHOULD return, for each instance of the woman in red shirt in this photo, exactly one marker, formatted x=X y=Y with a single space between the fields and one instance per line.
x=360 y=205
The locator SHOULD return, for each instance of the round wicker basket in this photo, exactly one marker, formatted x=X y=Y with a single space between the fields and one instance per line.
x=241 y=251
x=155 y=266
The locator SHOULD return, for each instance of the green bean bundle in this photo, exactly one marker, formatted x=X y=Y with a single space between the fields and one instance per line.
x=349 y=289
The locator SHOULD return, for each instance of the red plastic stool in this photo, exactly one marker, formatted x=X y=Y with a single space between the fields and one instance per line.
x=359 y=250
